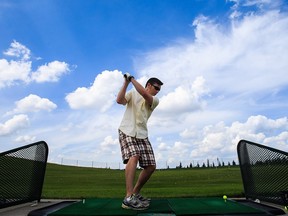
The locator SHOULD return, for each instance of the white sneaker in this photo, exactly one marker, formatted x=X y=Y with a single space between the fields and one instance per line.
x=134 y=203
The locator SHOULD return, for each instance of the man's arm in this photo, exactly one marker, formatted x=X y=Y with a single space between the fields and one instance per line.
x=142 y=91
x=121 y=94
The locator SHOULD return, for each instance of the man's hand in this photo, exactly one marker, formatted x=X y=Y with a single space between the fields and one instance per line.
x=128 y=76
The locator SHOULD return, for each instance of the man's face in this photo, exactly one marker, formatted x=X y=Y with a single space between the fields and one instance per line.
x=154 y=88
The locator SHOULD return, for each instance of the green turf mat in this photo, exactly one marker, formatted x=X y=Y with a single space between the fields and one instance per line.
x=94 y=207
x=107 y=206
x=175 y=206
x=184 y=206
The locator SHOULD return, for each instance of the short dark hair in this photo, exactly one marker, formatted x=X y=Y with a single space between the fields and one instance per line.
x=153 y=80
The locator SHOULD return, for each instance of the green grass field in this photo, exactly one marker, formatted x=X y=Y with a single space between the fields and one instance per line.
x=77 y=182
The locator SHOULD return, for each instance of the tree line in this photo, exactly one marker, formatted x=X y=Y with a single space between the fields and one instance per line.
x=208 y=164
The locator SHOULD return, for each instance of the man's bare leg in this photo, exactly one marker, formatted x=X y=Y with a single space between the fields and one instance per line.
x=143 y=178
x=130 y=171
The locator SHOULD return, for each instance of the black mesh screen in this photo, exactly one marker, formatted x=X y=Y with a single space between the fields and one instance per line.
x=264 y=172
x=22 y=173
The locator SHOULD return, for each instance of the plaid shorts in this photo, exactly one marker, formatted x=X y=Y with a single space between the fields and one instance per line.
x=131 y=146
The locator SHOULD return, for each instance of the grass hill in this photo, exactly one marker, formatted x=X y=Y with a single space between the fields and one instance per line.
x=77 y=182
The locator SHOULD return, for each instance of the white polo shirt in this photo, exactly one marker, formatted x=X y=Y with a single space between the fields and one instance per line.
x=137 y=113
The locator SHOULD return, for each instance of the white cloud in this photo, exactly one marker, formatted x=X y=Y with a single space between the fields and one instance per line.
x=263 y=124
x=14 y=124
x=19 y=68
x=50 y=72
x=220 y=140
x=100 y=95
x=13 y=72
x=185 y=98
x=109 y=144
x=226 y=58
x=18 y=50
x=163 y=147
x=34 y=103
x=278 y=141
x=25 y=139
x=256 y=128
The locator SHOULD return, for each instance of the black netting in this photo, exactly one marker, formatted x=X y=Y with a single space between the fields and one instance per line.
x=22 y=173
x=264 y=172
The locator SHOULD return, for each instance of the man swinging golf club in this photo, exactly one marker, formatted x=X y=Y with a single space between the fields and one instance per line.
x=133 y=137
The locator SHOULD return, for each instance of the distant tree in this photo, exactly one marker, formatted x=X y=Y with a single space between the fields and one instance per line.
x=208 y=165
x=223 y=164
x=203 y=165
x=180 y=166
x=219 y=163
x=190 y=165
x=233 y=163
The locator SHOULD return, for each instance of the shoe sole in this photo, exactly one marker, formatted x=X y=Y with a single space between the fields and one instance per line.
x=133 y=208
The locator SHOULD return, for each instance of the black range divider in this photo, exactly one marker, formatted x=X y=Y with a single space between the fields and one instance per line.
x=264 y=172
x=22 y=172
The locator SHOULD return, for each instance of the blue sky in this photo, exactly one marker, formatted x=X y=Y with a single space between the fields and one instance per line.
x=223 y=64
